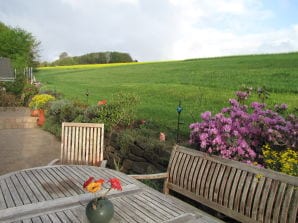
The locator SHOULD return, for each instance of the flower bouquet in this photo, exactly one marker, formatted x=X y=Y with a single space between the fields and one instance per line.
x=100 y=209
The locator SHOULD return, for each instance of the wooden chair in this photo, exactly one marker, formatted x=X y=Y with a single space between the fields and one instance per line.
x=82 y=144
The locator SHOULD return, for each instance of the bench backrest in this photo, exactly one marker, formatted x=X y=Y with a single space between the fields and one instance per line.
x=238 y=190
x=82 y=143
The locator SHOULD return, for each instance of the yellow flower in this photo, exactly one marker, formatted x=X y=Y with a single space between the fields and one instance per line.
x=94 y=187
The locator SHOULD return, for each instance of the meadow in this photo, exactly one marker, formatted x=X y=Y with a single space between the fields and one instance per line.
x=200 y=84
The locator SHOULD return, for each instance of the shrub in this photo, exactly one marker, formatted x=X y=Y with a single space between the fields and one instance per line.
x=40 y=101
x=63 y=111
x=28 y=92
x=285 y=161
x=236 y=133
x=118 y=113
x=16 y=87
x=7 y=100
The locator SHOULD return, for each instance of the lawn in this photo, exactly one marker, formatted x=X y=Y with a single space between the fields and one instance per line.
x=200 y=84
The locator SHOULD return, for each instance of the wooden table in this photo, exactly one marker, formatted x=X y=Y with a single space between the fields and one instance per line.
x=55 y=194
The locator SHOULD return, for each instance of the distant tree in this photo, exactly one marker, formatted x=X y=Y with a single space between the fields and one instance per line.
x=93 y=58
x=63 y=56
x=117 y=57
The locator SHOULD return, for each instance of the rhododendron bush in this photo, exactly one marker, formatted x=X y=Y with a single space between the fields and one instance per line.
x=239 y=132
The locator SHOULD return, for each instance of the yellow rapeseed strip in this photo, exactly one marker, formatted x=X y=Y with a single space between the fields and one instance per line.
x=80 y=66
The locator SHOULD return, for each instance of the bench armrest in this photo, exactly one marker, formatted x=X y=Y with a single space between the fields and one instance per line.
x=150 y=176
x=153 y=177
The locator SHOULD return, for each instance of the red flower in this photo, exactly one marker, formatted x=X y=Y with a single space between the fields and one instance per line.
x=87 y=182
x=102 y=102
x=115 y=183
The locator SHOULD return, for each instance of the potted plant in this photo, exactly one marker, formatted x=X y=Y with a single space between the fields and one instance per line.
x=100 y=209
x=39 y=103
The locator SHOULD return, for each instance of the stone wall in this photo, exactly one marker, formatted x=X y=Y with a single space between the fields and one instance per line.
x=137 y=157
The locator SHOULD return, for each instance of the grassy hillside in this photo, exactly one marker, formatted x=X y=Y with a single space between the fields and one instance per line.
x=200 y=84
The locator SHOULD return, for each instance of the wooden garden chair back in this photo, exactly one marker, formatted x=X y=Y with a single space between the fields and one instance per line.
x=82 y=144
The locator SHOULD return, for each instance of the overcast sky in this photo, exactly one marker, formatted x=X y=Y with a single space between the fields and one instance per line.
x=153 y=30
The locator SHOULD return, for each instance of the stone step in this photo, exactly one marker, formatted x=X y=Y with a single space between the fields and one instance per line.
x=18 y=123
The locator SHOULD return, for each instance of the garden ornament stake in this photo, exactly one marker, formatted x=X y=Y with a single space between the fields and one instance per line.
x=87 y=94
x=179 y=110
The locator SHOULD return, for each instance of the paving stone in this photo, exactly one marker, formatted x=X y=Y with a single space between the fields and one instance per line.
x=23 y=144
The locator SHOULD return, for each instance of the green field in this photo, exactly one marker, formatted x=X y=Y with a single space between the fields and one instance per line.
x=200 y=84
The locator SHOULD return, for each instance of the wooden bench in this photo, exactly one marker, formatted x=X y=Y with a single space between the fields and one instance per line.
x=243 y=192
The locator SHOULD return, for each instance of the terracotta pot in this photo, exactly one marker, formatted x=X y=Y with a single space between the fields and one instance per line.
x=34 y=112
x=100 y=210
x=41 y=117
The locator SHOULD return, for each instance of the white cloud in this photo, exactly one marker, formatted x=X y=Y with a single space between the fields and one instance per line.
x=152 y=30
x=213 y=42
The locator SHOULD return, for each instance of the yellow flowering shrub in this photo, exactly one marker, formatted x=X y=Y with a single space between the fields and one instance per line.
x=39 y=101
x=285 y=161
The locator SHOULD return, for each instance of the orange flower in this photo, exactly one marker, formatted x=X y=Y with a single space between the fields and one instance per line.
x=93 y=187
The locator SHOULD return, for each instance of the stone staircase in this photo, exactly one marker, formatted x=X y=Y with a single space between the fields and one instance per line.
x=16 y=118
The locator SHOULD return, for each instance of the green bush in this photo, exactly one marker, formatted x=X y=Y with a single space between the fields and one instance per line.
x=63 y=111
x=119 y=113
x=16 y=87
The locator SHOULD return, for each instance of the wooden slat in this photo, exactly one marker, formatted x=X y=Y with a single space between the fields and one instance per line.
x=180 y=173
x=271 y=200
x=6 y=194
x=32 y=190
x=223 y=185
x=20 y=188
x=264 y=198
x=250 y=198
x=175 y=165
x=184 y=174
x=213 y=181
x=204 y=178
x=195 y=174
x=245 y=194
x=192 y=167
x=234 y=189
x=77 y=148
x=199 y=177
x=239 y=191
x=278 y=202
x=219 y=181
x=228 y=188
x=286 y=203
x=257 y=198
x=293 y=208
x=209 y=177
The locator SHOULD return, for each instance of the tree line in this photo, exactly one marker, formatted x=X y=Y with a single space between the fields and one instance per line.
x=91 y=58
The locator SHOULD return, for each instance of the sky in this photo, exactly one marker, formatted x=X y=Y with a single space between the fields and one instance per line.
x=156 y=30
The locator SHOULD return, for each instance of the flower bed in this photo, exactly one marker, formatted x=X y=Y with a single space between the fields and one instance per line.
x=243 y=133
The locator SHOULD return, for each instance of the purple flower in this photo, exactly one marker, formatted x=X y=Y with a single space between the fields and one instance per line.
x=206 y=115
